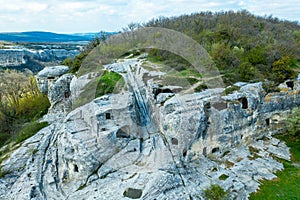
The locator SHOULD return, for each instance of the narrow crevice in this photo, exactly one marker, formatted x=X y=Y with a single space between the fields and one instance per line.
x=43 y=166
x=87 y=179
x=173 y=158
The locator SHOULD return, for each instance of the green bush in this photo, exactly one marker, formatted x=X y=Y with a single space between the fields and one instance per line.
x=293 y=123
x=282 y=69
x=270 y=86
x=231 y=89
x=200 y=88
x=3 y=138
x=215 y=192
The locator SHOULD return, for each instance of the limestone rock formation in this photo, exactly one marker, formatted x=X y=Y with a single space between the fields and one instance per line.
x=54 y=82
x=15 y=57
x=152 y=142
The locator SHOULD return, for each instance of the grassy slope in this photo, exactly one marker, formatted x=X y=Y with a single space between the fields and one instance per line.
x=287 y=185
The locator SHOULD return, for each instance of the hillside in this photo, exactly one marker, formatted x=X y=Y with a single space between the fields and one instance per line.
x=243 y=46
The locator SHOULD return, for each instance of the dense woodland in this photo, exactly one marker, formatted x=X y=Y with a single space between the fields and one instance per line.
x=244 y=47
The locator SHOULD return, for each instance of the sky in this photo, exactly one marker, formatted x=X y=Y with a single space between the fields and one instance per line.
x=81 y=16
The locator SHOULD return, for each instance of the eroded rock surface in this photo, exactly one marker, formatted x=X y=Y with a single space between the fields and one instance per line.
x=153 y=142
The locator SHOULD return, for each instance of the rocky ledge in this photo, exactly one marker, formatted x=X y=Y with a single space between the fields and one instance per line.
x=153 y=142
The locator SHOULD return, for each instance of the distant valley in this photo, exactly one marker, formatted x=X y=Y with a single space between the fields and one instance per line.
x=45 y=37
x=34 y=50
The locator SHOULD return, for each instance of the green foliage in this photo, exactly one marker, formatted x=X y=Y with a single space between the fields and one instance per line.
x=282 y=69
x=172 y=60
x=3 y=173
x=293 y=123
x=244 y=47
x=257 y=56
x=286 y=186
x=231 y=89
x=223 y=177
x=200 y=88
x=215 y=192
x=19 y=104
x=75 y=63
x=3 y=138
x=270 y=86
x=29 y=130
x=107 y=83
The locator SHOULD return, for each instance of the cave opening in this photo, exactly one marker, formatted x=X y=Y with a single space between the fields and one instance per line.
x=215 y=150
x=107 y=115
x=184 y=152
x=268 y=121
x=157 y=91
x=290 y=84
x=76 y=168
x=244 y=102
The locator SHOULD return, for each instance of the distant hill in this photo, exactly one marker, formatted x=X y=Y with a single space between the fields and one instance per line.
x=38 y=36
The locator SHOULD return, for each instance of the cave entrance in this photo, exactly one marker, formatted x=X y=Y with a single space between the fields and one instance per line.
x=215 y=150
x=157 y=91
x=290 y=84
x=244 y=102
x=268 y=121
x=107 y=115
x=76 y=168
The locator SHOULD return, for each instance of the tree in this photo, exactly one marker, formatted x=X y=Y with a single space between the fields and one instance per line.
x=282 y=69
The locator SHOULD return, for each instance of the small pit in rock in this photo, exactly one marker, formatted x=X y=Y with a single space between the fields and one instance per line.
x=133 y=193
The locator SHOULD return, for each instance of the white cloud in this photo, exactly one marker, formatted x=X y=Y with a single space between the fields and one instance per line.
x=95 y=15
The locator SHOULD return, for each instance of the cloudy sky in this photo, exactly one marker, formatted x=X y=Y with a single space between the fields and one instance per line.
x=69 y=16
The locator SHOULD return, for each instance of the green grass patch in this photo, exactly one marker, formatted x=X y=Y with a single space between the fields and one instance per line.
x=223 y=177
x=287 y=185
x=29 y=130
x=108 y=82
x=215 y=192
x=189 y=72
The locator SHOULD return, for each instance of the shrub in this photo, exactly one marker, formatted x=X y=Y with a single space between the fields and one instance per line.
x=3 y=138
x=270 y=86
x=215 y=192
x=200 y=88
x=231 y=89
x=282 y=69
x=293 y=123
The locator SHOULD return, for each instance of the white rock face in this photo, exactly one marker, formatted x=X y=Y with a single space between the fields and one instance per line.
x=55 y=82
x=148 y=143
x=52 y=72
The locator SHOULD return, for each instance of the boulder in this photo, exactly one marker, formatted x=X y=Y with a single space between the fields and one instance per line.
x=53 y=72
